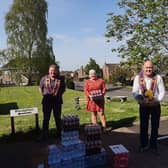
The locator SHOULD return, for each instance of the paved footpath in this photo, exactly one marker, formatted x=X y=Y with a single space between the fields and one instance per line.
x=129 y=137
x=124 y=91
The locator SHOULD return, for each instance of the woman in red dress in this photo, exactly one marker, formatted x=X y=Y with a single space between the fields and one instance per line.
x=94 y=89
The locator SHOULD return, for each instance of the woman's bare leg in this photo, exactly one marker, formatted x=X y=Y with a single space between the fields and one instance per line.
x=94 y=117
x=102 y=119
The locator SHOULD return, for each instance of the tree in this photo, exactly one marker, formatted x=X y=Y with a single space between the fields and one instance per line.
x=26 y=28
x=144 y=27
x=43 y=57
x=69 y=81
x=122 y=75
x=161 y=64
x=93 y=65
x=3 y=56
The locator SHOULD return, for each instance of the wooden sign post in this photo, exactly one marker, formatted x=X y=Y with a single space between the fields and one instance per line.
x=23 y=112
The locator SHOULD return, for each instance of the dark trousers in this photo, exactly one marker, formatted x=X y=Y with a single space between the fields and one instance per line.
x=152 y=112
x=51 y=103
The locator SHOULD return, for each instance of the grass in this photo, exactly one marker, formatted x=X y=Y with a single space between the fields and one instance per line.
x=117 y=114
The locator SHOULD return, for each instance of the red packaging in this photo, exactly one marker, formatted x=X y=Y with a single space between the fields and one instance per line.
x=118 y=156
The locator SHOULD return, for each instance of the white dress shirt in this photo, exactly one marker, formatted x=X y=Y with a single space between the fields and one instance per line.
x=159 y=91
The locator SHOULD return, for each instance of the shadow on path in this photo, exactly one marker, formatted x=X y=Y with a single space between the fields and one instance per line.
x=22 y=151
x=5 y=108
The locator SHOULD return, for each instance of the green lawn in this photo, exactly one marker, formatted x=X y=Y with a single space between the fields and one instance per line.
x=117 y=113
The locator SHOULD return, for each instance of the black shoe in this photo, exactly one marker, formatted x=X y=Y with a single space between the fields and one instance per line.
x=143 y=149
x=106 y=130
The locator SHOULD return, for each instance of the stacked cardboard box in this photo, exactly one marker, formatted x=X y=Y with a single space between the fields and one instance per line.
x=95 y=154
x=96 y=160
x=93 y=139
x=70 y=129
x=71 y=152
x=54 y=156
x=118 y=156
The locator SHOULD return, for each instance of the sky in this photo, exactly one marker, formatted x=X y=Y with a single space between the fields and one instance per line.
x=77 y=28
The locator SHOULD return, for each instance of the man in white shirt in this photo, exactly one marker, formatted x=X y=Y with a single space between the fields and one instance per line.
x=148 y=90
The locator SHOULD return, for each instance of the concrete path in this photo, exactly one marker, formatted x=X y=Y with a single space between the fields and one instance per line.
x=123 y=91
x=28 y=154
x=129 y=137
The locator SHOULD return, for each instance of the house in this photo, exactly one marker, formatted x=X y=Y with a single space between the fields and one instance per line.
x=108 y=69
x=12 y=76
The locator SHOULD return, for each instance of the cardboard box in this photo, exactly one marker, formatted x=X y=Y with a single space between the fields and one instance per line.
x=118 y=156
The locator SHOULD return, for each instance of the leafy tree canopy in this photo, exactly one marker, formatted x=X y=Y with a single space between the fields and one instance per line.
x=142 y=29
x=3 y=57
x=92 y=65
x=26 y=28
